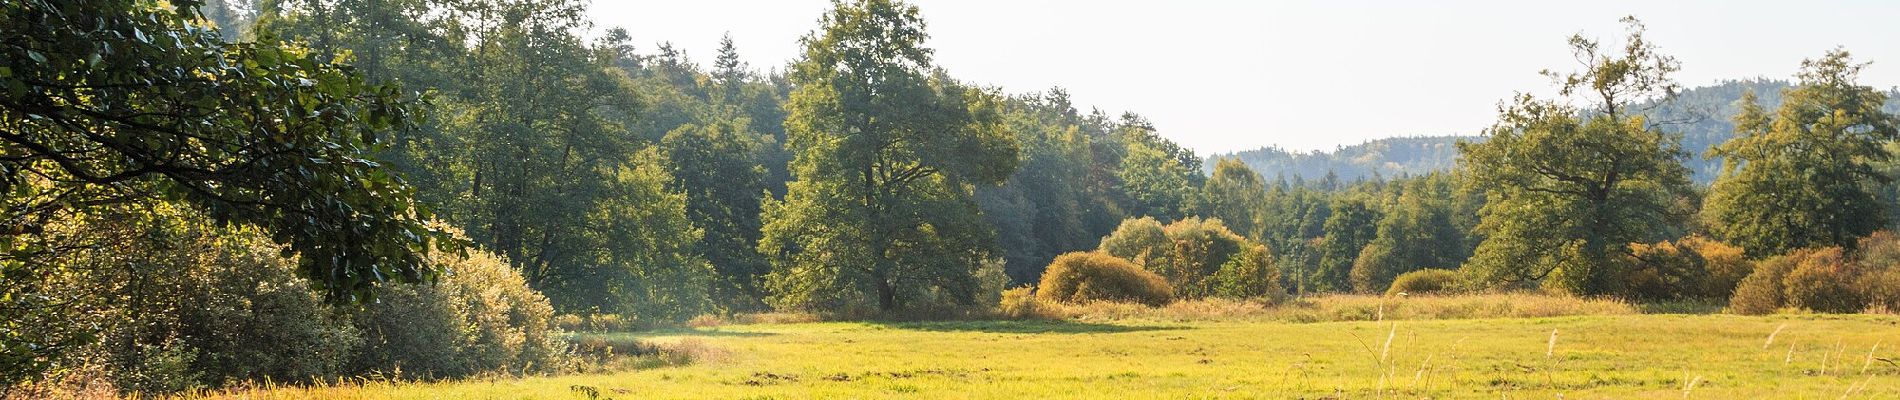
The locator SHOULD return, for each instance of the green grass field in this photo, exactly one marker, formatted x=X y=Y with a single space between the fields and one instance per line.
x=1628 y=356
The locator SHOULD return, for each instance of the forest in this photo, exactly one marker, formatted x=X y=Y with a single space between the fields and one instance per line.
x=199 y=195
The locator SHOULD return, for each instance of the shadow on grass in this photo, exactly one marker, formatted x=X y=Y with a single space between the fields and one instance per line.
x=1034 y=326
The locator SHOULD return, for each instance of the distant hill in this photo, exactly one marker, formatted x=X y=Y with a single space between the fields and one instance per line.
x=1702 y=115
x=1387 y=158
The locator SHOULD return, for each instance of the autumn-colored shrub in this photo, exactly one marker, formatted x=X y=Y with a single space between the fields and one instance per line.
x=1091 y=276
x=1426 y=281
x=1689 y=268
x=1879 y=281
x=1766 y=290
x=1823 y=282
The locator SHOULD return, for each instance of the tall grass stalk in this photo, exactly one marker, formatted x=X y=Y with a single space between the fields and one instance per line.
x=1771 y=336
x=1870 y=358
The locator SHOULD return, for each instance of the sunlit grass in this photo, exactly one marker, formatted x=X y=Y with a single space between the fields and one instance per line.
x=1620 y=356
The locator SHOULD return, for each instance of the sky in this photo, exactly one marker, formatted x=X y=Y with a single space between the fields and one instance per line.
x=1223 y=76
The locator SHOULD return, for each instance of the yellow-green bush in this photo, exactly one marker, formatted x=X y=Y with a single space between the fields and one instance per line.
x=1250 y=274
x=1141 y=240
x=178 y=303
x=479 y=317
x=570 y=322
x=1091 y=276
x=1021 y=303
x=1191 y=253
x=1426 y=281
x=1760 y=292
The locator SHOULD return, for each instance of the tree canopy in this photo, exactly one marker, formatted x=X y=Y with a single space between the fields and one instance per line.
x=880 y=211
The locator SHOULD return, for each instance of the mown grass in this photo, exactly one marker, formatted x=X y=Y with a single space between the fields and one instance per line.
x=1602 y=356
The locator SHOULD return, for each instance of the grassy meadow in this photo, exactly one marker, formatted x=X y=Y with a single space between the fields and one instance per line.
x=1594 y=356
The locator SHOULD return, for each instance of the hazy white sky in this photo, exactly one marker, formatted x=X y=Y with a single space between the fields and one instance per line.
x=1221 y=76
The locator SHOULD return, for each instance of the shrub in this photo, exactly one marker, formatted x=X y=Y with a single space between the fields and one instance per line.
x=706 y=321
x=1187 y=253
x=607 y=322
x=180 y=303
x=1088 y=276
x=1881 y=290
x=1761 y=293
x=479 y=317
x=1426 y=281
x=1022 y=303
x=1879 y=282
x=1201 y=248
x=1689 y=268
x=1141 y=240
x=1724 y=264
x=259 y=320
x=1249 y=275
x=1772 y=286
x=570 y=322
x=1822 y=281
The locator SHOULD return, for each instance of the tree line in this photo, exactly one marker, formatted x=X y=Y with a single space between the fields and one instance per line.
x=358 y=145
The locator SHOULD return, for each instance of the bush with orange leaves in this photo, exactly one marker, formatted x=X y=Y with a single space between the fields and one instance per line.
x=1828 y=279
x=1694 y=267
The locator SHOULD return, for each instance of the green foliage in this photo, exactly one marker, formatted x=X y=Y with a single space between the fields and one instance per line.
x=1199 y=257
x=1420 y=228
x=1081 y=277
x=1234 y=194
x=1141 y=240
x=880 y=214
x=1427 y=281
x=649 y=266
x=480 y=317
x=1201 y=248
x=1292 y=223
x=546 y=149
x=1805 y=176
x=1053 y=204
x=1352 y=225
x=180 y=303
x=97 y=97
x=724 y=187
x=1567 y=191
x=120 y=102
x=1251 y=274
x=1156 y=183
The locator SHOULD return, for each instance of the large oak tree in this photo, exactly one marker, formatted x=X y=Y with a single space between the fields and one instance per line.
x=887 y=153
